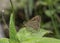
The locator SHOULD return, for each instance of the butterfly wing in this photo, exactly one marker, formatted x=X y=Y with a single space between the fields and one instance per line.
x=34 y=23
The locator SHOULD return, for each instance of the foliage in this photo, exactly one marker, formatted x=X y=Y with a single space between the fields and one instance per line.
x=25 y=36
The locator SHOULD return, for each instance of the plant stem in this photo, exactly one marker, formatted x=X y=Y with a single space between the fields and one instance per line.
x=26 y=13
x=12 y=5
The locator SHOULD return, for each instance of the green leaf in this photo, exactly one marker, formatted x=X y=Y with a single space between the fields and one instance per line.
x=24 y=34
x=49 y=13
x=43 y=32
x=14 y=41
x=12 y=29
x=42 y=40
x=49 y=40
x=4 y=40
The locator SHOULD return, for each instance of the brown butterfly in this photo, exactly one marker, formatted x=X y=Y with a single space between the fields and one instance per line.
x=34 y=22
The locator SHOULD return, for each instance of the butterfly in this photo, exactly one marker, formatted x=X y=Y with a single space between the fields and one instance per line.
x=34 y=23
